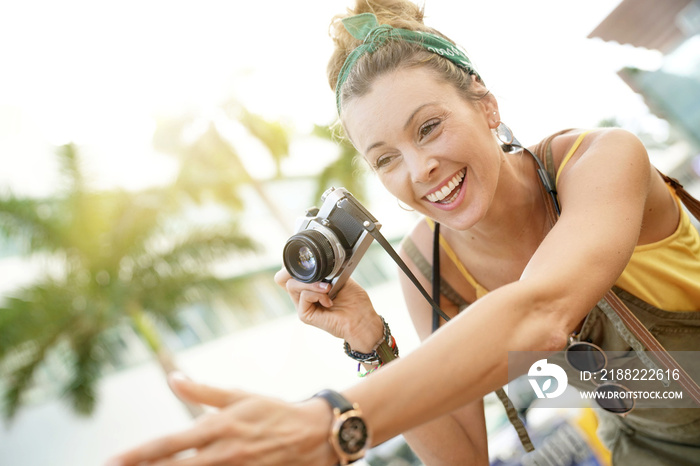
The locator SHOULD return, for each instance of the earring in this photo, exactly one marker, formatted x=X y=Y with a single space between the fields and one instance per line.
x=407 y=209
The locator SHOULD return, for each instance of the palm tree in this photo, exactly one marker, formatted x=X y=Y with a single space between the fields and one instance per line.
x=109 y=259
x=212 y=165
x=212 y=168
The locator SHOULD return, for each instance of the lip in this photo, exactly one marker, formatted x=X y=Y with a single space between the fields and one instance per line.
x=460 y=196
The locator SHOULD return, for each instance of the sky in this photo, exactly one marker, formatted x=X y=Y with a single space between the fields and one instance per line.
x=101 y=74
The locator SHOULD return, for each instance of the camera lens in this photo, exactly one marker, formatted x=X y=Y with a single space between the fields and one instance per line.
x=309 y=257
x=306 y=259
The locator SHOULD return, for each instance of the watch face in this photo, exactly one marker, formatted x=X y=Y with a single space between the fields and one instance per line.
x=352 y=435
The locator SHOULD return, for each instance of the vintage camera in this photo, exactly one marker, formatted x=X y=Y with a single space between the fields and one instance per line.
x=329 y=242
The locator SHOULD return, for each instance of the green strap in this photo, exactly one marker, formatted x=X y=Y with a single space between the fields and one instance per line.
x=373 y=35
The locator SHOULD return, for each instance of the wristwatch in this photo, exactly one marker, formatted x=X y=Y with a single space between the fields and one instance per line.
x=349 y=433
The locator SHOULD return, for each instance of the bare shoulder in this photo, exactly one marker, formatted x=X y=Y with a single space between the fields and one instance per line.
x=618 y=161
x=613 y=142
x=607 y=158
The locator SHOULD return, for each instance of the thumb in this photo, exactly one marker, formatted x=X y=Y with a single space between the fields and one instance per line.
x=194 y=392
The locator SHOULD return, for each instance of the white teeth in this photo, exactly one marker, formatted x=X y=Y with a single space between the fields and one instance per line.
x=441 y=194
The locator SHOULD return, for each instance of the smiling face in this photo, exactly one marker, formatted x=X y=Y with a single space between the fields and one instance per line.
x=430 y=147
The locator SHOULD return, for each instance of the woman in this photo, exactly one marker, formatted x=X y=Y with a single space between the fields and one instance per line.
x=414 y=107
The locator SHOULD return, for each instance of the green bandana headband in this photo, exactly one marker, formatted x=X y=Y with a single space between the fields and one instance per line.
x=365 y=27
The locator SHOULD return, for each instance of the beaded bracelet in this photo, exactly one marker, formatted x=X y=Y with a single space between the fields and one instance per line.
x=373 y=357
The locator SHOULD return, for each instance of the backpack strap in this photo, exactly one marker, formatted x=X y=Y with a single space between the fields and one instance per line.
x=543 y=150
x=692 y=204
x=426 y=269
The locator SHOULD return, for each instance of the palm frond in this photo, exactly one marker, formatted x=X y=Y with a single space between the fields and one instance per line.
x=31 y=222
x=40 y=312
x=346 y=170
x=134 y=218
x=71 y=169
x=273 y=135
x=169 y=134
x=204 y=245
x=18 y=380
x=212 y=170
x=164 y=301
x=85 y=372
x=180 y=274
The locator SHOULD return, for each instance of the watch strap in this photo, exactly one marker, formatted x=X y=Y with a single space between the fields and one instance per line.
x=335 y=399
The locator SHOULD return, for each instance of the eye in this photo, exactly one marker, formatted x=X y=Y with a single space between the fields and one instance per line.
x=428 y=128
x=382 y=161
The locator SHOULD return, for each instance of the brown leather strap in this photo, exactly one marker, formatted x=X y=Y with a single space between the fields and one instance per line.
x=692 y=204
x=543 y=151
x=631 y=321
x=426 y=269
x=645 y=337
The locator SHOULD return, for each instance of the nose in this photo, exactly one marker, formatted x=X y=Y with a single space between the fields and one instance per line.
x=422 y=167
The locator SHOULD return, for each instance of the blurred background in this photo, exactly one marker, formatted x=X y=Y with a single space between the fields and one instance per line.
x=154 y=156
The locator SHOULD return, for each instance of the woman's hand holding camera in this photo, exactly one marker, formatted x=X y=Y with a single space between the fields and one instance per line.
x=349 y=316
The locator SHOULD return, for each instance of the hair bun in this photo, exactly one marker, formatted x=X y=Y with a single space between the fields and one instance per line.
x=397 y=13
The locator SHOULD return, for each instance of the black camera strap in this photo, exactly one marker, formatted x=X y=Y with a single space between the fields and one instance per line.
x=371 y=227
x=436 y=275
x=404 y=268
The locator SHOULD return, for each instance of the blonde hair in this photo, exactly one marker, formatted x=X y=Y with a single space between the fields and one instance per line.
x=393 y=55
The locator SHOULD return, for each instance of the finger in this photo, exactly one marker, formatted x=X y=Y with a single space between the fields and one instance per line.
x=194 y=392
x=163 y=447
x=212 y=454
x=295 y=288
x=224 y=452
x=307 y=300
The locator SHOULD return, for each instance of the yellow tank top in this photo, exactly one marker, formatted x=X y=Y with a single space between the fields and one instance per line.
x=665 y=274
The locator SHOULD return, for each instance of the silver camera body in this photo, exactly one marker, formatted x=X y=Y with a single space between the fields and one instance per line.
x=329 y=241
